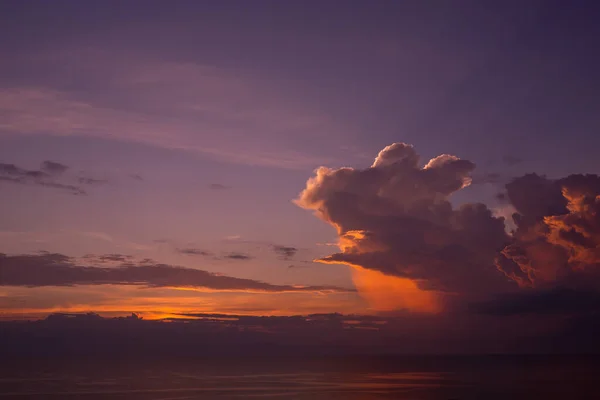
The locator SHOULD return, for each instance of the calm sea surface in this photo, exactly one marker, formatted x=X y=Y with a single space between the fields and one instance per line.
x=365 y=378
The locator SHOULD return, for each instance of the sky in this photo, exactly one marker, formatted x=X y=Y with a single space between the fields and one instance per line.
x=282 y=158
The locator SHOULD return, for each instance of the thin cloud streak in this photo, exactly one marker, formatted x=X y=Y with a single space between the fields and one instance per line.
x=46 y=176
x=49 y=269
x=179 y=106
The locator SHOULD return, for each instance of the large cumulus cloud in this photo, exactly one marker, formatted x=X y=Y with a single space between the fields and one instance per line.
x=395 y=218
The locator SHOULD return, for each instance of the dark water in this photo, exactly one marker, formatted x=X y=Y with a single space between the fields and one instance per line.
x=365 y=378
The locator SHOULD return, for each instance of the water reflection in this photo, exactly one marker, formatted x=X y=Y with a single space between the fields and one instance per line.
x=351 y=378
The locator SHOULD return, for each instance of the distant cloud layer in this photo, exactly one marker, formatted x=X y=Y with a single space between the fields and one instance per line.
x=49 y=269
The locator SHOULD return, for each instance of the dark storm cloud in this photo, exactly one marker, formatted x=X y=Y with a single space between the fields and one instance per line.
x=557 y=240
x=49 y=269
x=194 y=252
x=285 y=252
x=395 y=217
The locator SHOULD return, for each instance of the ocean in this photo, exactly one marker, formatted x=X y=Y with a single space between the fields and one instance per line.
x=359 y=378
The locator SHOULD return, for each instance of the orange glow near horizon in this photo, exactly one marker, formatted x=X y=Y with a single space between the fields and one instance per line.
x=158 y=303
x=388 y=293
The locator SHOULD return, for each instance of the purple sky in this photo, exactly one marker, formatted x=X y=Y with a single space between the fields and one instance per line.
x=188 y=129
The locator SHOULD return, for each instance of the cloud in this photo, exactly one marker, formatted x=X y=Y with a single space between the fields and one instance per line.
x=237 y=256
x=108 y=258
x=20 y=173
x=50 y=174
x=285 y=252
x=557 y=240
x=91 y=181
x=558 y=300
x=48 y=269
x=45 y=176
x=395 y=218
x=205 y=110
x=194 y=252
x=218 y=186
x=53 y=168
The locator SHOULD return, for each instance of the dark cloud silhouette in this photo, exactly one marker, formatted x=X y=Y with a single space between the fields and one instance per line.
x=51 y=174
x=218 y=186
x=89 y=334
x=557 y=240
x=194 y=252
x=137 y=177
x=48 y=269
x=395 y=217
x=237 y=256
x=13 y=171
x=43 y=177
x=71 y=188
x=53 y=168
x=285 y=252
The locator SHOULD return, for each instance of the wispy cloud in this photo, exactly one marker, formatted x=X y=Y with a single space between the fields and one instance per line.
x=48 y=269
x=50 y=174
x=46 y=176
x=285 y=252
x=237 y=256
x=194 y=252
x=172 y=105
x=53 y=167
x=92 y=181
